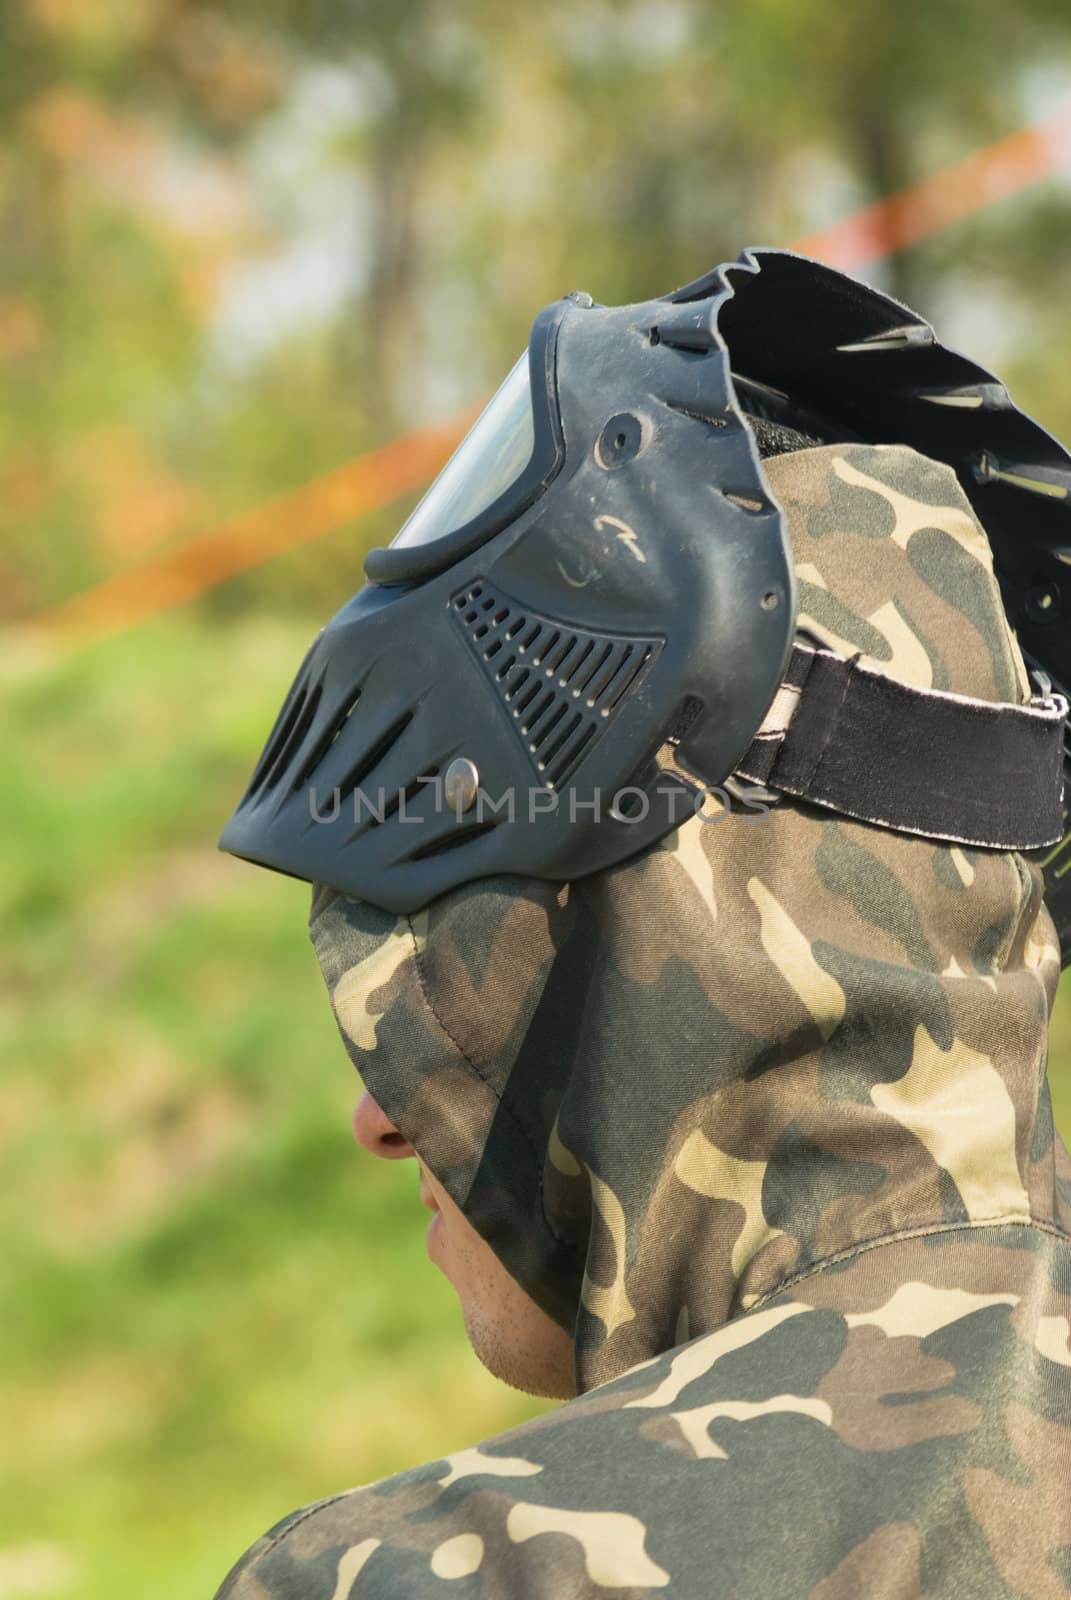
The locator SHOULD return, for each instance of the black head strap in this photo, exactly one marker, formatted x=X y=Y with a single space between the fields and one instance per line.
x=922 y=761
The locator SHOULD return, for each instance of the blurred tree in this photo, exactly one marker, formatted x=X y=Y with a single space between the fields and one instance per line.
x=243 y=243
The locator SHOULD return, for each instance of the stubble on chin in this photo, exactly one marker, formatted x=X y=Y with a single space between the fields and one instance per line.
x=510 y=1358
x=510 y=1335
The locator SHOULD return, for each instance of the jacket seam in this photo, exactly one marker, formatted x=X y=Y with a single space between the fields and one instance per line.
x=277 y=1539
x=923 y=1230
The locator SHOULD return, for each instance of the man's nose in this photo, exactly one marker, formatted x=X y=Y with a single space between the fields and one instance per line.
x=374 y=1129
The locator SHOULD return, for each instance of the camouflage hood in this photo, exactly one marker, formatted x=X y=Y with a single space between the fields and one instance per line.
x=664 y=1092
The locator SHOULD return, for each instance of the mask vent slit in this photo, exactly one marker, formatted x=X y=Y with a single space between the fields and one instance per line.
x=539 y=738
x=566 y=733
x=597 y=666
x=529 y=695
x=368 y=762
x=579 y=662
x=557 y=659
x=278 y=737
x=292 y=742
x=569 y=756
x=454 y=840
x=599 y=683
x=634 y=661
x=539 y=702
x=545 y=647
x=403 y=796
x=325 y=741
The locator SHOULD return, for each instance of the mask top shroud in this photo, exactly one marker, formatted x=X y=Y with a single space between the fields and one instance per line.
x=586 y=620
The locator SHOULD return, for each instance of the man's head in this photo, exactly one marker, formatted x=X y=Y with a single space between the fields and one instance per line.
x=511 y=1335
x=613 y=1085
x=614 y=1053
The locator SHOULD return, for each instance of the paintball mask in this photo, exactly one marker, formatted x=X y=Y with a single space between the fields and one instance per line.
x=589 y=623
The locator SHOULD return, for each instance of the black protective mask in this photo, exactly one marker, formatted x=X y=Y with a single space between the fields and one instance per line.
x=583 y=624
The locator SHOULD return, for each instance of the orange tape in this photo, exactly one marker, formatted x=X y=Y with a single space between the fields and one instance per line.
x=349 y=491
x=956 y=191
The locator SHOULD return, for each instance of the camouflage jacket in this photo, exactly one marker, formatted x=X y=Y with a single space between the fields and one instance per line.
x=761 y=1119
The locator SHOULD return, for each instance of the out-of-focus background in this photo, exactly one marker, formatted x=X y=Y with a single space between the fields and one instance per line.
x=242 y=245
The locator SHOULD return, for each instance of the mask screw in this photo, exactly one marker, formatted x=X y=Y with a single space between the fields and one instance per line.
x=620 y=440
x=460 y=783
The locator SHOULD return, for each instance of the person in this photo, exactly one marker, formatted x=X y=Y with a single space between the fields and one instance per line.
x=740 y=1146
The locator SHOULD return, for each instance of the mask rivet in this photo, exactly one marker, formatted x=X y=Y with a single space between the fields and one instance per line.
x=460 y=783
x=620 y=440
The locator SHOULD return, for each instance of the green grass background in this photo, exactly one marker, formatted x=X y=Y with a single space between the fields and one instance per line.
x=212 y=1307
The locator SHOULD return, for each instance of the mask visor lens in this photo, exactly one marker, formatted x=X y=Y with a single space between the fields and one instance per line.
x=488 y=461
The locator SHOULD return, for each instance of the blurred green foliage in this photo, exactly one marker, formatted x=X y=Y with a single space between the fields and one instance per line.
x=241 y=244
x=213 y=1305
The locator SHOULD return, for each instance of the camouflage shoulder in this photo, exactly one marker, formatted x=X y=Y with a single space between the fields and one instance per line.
x=241 y=1581
x=897 y=1421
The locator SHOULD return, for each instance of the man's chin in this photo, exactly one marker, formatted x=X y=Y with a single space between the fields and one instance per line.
x=534 y=1373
